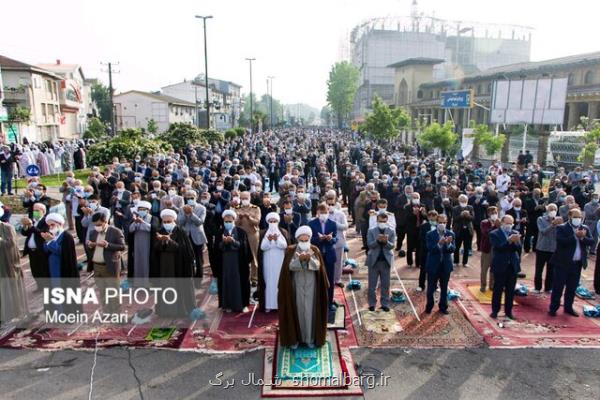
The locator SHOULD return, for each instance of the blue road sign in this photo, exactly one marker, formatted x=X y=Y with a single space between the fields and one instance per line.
x=33 y=170
x=457 y=99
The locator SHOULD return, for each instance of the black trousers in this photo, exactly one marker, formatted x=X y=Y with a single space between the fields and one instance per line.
x=400 y=234
x=565 y=279
x=210 y=241
x=504 y=282
x=463 y=238
x=330 y=270
x=433 y=278
x=542 y=258
x=531 y=236
x=477 y=229
x=364 y=229
x=597 y=271
x=199 y=258
x=79 y=229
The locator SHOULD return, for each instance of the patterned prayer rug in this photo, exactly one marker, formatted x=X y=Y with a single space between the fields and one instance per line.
x=533 y=326
x=305 y=372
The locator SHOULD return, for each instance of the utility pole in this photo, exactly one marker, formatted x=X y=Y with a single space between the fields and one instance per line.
x=251 y=110
x=270 y=79
x=204 y=18
x=111 y=94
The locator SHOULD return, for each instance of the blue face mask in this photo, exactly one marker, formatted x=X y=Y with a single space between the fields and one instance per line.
x=228 y=226
x=142 y=213
x=169 y=227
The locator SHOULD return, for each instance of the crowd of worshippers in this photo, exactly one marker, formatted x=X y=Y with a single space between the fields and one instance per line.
x=271 y=211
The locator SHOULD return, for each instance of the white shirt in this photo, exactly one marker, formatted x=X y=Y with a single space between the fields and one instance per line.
x=502 y=182
x=31 y=242
x=577 y=254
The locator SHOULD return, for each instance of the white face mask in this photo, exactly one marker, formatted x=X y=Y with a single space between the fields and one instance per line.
x=494 y=217
x=416 y=201
x=55 y=230
x=382 y=225
x=323 y=217
x=99 y=228
x=552 y=214
x=463 y=204
x=304 y=246
x=245 y=202
x=273 y=225
x=441 y=227
x=576 y=221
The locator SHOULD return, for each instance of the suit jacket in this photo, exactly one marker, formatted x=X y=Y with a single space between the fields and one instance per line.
x=375 y=247
x=193 y=224
x=112 y=252
x=123 y=203
x=505 y=255
x=36 y=231
x=327 y=248
x=458 y=221
x=566 y=243
x=439 y=256
x=523 y=214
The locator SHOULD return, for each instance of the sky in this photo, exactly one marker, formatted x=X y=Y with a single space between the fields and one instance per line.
x=160 y=42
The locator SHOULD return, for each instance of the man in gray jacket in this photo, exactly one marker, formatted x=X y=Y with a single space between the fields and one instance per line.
x=107 y=243
x=380 y=259
x=191 y=220
x=545 y=247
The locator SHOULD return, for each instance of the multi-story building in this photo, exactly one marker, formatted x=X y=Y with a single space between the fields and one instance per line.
x=463 y=47
x=225 y=103
x=74 y=98
x=133 y=109
x=36 y=89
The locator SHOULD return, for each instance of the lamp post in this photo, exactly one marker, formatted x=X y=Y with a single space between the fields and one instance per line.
x=270 y=86
x=251 y=111
x=204 y=18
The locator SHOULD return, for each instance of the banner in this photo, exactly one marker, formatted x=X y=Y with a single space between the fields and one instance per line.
x=468 y=138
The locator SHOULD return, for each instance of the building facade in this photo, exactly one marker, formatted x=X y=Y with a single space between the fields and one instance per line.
x=134 y=109
x=36 y=90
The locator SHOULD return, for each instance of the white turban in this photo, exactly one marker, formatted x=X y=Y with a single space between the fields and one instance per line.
x=144 y=204
x=229 y=213
x=167 y=212
x=272 y=215
x=303 y=230
x=54 y=217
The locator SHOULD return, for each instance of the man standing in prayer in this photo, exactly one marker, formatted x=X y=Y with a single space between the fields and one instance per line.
x=13 y=298
x=273 y=245
x=381 y=241
x=34 y=244
x=142 y=232
x=248 y=219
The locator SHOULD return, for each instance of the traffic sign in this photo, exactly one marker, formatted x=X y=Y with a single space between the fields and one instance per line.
x=32 y=170
x=457 y=99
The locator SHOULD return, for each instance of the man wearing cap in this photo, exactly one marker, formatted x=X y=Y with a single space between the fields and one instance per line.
x=302 y=295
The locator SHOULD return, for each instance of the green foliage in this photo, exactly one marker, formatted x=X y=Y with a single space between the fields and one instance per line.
x=436 y=136
x=127 y=144
x=152 y=127
x=211 y=136
x=20 y=115
x=230 y=134
x=95 y=130
x=384 y=122
x=240 y=131
x=180 y=135
x=341 y=89
x=592 y=140
x=101 y=96
x=491 y=143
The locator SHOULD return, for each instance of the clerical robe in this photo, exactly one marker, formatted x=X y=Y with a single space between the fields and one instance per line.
x=233 y=270
x=13 y=300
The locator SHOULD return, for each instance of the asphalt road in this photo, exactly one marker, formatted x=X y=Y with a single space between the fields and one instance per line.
x=413 y=374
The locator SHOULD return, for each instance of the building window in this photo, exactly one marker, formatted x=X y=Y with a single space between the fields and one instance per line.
x=589 y=78
x=420 y=94
x=571 y=80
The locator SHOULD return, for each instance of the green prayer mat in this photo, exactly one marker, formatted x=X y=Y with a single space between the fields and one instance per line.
x=305 y=362
x=160 y=334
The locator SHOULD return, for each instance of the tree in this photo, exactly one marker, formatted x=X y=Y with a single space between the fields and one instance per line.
x=341 y=89
x=491 y=143
x=95 y=130
x=436 y=136
x=180 y=135
x=19 y=115
x=592 y=140
x=384 y=122
x=127 y=144
x=101 y=96
x=152 y=127
x=326 y=116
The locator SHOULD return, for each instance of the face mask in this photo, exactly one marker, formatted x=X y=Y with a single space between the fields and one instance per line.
x=552 y=214
x=120 y=190
x=441 y=227
x=494 y=217
x=169 y=226
x=156 y=188
x=433 y=223
x=37 y=193
x=382 y=225
x=55 y=230
x=204 y=201
x=228 y=226
x=594 y=200
x=37 y=214
x=382 y=210
x=245 y=202
x=463 y=204
x=288 y=211
x=98 y=228
x=93 y=206
x=142 y=213
x=416 y=201
x=517 y=208
x=323 y=217
x=562 y=198
x=191 y=202
x=304 y=246
x=171 y=192
x=507 y=228
x=219 y=187
x=576 y=221
x=273 y=225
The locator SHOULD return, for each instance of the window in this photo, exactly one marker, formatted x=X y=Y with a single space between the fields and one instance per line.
x=571 y=80
x=589 y=78
x=420 y=94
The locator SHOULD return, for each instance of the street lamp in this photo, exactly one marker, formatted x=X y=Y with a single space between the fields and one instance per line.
x=251 y=111
x=204 y=18
x=270 y=80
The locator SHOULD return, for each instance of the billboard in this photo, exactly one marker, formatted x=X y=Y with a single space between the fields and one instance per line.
x=531 y=101
x=457 y=99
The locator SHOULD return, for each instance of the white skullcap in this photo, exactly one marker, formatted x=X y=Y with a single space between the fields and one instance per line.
x=54 y=217
x=303 y=230
x=229 y=213
x=167 y=212
x=144 y=204
x=272 y=215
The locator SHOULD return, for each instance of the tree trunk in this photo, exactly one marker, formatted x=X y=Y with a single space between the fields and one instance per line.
x=340 y=120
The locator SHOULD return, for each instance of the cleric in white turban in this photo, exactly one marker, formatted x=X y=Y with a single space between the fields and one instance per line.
x=142 y=232
x=273 y=244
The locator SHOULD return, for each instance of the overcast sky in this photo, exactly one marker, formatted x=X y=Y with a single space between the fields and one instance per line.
x=158 y=42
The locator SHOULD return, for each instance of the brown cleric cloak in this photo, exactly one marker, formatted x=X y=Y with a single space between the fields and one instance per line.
x=289 y=327
x=261 y=280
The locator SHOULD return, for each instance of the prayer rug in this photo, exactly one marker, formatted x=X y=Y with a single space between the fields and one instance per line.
x=533 y=326
x=486 y=297
x=305 y=372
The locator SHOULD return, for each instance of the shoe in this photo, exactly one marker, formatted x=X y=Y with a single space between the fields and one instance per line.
x=494 y=315
x=521 y=275
x=371 y=308
x=552 y=313
x=510 y=316
x=340 y=284
x=294 y=346
x=419 y=289
x=537 y=291
x=401 y=253
x=572 y=313
x=445 y=312
x=465 y=265
x=386 y=309
x=253 y=284
x=332 y=308
x=409 y=265
x=482 y=290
